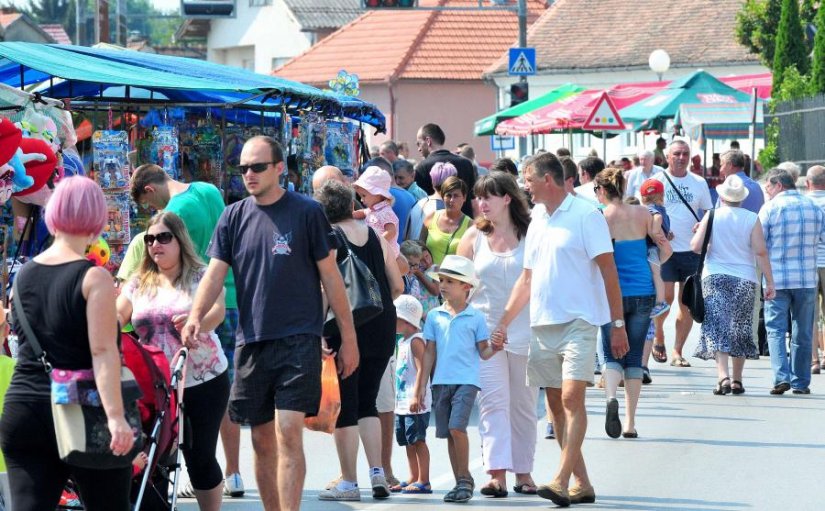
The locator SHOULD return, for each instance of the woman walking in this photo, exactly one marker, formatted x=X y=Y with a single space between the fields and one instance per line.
x=444 y=228
x=157 y=301
x=70 y=305
x=630 y=226
x=507 y=406
x=729 y=284
x=376 y=343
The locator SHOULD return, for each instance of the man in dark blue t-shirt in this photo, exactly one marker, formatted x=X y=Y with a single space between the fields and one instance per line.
x=276 y=243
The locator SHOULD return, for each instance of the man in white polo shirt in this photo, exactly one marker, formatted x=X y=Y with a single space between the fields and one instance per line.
x=571 y=282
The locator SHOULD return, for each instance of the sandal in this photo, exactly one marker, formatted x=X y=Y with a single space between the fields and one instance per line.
x=417 y=488
x=722 y=388
x=463 y=490
x=399 y=487
x=525 y=488
x=659 y=353
x=679 y=362
x=737 y=388
x=493 y=489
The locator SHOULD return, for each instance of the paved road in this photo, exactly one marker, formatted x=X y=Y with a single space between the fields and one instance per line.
x=696 y=451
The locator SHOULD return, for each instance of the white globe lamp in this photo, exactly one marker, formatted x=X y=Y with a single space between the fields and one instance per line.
x=659 y=62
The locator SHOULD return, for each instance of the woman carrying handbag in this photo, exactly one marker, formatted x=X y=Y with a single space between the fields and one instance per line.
x=71 y=307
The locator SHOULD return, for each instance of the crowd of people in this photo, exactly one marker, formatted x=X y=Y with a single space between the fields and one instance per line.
x=495 y=285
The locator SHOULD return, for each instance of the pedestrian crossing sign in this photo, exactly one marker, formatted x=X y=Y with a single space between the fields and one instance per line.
x=522 y=62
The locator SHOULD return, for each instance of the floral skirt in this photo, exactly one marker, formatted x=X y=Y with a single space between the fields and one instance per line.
x=727 y=327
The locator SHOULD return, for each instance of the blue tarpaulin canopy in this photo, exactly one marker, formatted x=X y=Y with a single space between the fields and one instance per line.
x=113 y=75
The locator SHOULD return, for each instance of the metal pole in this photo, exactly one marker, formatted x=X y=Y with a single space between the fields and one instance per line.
x=752 y=131
x=522 y=43
x=77 y=5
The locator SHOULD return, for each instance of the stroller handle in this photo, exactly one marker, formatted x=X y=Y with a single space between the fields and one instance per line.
x=180 y=364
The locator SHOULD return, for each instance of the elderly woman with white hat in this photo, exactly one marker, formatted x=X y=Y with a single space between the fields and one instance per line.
x=729 y=284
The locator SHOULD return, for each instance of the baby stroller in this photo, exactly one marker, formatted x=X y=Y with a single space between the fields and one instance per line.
x=161 y=416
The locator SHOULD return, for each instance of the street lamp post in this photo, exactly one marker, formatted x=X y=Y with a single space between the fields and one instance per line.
x=659 y=62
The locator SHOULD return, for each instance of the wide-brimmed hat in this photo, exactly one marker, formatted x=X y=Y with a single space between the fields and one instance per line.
x=457 y=267
x=733 y=189
x=376 y=181
x=408 y=308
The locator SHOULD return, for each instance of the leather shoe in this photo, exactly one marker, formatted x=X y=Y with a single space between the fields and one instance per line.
x=555 y=492
x=780 y=388
x=806 y=391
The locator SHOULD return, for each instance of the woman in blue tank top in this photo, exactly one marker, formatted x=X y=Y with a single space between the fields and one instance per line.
x=629 y=227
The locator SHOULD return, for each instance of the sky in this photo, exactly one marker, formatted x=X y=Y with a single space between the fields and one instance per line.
x=161 y=5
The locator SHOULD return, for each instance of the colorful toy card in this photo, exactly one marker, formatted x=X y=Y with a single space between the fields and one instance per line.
x=111 y=162
x=165 y=150
x=116 y=231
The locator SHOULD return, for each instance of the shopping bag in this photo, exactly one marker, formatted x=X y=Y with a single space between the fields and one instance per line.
x=330 y=405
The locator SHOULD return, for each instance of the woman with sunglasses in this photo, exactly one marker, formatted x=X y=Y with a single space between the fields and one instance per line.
x=157 y=302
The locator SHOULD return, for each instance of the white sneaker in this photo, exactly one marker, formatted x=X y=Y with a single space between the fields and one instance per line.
x=380 y=488
x=344 y=495
x=233 y=485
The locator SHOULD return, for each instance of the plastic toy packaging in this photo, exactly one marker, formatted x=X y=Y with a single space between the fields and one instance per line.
x=313 y=132
x=165 y=150
x=340 y=147
x=111 y=162
x=116 y=230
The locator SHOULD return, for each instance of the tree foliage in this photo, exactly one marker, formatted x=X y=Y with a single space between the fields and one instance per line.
x=791 y=50
x=818 y=66
x=756 y=27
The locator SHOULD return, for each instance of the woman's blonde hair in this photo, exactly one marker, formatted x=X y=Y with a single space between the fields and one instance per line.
x=191 y=264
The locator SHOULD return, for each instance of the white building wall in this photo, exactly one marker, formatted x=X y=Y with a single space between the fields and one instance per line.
x=258 y=36
x=625 y=144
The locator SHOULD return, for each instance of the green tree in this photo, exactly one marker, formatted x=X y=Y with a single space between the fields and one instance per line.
x=818 y=67
x=756 y=27
x=790 y=44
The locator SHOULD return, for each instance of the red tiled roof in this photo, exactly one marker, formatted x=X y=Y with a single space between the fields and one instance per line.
x=7 y=18
x=57 y=32
x=618 y=34
x=415 y=44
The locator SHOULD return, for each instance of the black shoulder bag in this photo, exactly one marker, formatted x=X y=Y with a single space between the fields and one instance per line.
x=675 y=189
x=80 y=422
x=692 y=292
x=363 y=291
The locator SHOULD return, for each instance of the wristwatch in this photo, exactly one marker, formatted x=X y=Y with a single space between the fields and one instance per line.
x=618 y=323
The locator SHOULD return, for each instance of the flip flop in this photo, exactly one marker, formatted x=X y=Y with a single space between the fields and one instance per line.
x=630 y=434
x=525 y=489
x=679 y=362
x=417 y=488
x=659 y=353
x=396 y=488
x=493 y=489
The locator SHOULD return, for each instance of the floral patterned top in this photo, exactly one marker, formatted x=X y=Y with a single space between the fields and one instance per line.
x=380 y=215
x=152 y=319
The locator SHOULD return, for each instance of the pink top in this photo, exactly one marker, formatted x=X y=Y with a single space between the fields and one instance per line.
x=378 y=216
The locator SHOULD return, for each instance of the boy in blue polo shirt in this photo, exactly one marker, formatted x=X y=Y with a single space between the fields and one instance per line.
x=457 y=338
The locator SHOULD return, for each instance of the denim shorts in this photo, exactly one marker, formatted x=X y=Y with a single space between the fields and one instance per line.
x=636 y=323
x=281 y=374
x=680 y=266
x=411 y=429
x=452 y=406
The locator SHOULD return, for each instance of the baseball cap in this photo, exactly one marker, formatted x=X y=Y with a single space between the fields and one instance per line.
x=651 y=186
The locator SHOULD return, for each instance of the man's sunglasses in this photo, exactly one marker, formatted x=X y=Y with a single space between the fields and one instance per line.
x=256 y=167
x=163 y=238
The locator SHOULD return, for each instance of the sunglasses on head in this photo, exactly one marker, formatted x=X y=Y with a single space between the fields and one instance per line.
x=256 y=167
x=162 y=237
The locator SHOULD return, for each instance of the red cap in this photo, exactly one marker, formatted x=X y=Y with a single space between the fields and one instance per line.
x=651 y=186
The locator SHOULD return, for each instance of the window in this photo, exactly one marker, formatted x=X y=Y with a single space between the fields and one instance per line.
x=279 y=61
x=259 y=3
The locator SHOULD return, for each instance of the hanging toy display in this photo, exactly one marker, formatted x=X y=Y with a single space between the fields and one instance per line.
x=339 y=149
x=206 y=155
x=111 y=162
x=313 y=136
x=345 y=83
x=116 y=230
x=165 y=150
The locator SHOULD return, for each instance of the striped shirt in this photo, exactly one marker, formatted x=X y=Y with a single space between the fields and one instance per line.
x=793 y=226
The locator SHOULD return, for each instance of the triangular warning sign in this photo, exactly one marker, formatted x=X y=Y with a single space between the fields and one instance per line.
x=604 y=116
x=522 y=65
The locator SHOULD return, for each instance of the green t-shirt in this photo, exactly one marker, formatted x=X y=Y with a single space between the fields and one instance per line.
x=199 y=207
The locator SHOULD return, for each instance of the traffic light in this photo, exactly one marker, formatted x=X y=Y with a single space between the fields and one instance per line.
x=389 y=4
x=519 y=93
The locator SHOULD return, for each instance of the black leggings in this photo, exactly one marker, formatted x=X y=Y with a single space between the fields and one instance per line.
x=360 y=391
x=204 y=407
x=37 y=476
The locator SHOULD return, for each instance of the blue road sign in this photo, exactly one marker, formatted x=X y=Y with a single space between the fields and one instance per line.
x=522 y=62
